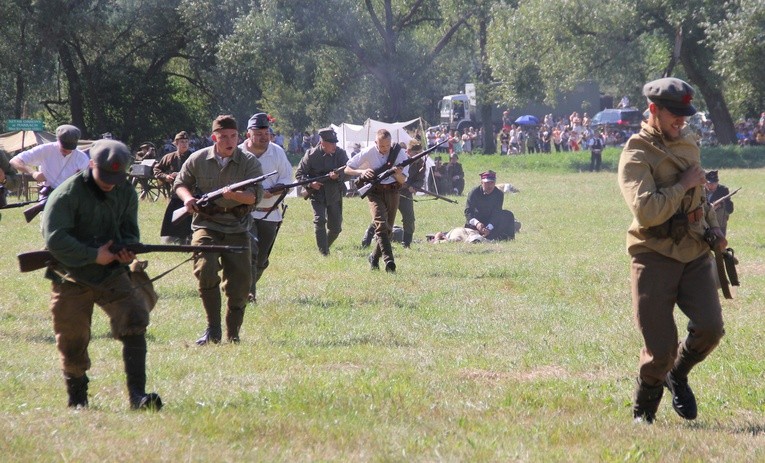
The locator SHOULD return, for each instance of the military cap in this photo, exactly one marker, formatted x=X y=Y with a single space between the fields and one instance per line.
x=68 y=136
x=258 y=121
x=147 y=144
x=182 y=135
x=489 y=176
x=224 y=121
x=112 y=158
x=328 y=135
x=712 y=176
x=673 y=94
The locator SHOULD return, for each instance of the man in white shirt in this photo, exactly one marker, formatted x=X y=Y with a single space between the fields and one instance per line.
x=267 y=215
x=57 y=160
x=383 y=197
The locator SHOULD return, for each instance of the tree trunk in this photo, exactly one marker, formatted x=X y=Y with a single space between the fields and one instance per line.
x=700 y=75
x=484 y=76
x=76 y=98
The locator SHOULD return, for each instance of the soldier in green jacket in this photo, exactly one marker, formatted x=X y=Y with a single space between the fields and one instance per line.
x=84 y=216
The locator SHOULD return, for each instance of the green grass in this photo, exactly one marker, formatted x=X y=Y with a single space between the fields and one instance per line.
x=516 y=351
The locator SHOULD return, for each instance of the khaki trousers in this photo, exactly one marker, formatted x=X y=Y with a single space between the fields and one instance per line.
x=236 y=270
x=658 y=283
x=72 y=307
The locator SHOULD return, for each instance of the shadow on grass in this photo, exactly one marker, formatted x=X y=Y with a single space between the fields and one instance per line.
x=51 y=339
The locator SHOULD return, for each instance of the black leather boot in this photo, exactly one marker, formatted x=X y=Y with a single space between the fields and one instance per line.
x=368 y=237
x=77 y=389
x=234 y=319
x=683 y=399
x=211 y=301
x=407 y=241
x=134 y=356
x=646 y=402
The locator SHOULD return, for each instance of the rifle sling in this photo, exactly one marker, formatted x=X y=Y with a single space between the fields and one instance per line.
x=721 y=275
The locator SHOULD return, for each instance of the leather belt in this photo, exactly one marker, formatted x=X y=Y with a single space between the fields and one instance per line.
x=387 y=186
x=695 y=215
x=262 y=209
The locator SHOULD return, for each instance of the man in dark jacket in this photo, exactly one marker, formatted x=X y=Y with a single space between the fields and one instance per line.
x=484 y=210
x=84 y=216
x=716 y=191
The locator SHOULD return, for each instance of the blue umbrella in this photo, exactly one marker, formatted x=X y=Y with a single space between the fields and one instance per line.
x=527 y=120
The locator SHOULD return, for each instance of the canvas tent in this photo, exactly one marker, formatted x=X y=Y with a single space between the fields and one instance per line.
x=13 y=142
x=349 y=134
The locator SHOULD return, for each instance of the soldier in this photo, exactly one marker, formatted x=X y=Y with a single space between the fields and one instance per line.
x=416 y=179
x=165 y=171
x=716 y=191
x=226 y=222
x=326 y=196
x=267 y=217
x=79 y=226
x=483 y=211
x=383 y=197
x=662 y=181
x=58 y=160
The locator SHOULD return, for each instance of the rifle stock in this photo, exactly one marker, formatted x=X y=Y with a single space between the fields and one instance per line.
x=308 y=192
x=207 y=198
x=31 y=212
x=35 y=260
x=719 y=202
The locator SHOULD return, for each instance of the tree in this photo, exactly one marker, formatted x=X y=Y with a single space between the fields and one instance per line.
x=345 y=59
x=739 y=43
x=622 y=44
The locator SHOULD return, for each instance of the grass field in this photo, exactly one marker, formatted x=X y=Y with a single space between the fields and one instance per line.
x=515 y=351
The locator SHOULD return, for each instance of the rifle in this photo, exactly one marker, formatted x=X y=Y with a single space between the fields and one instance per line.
x=435 y=195
x=208 y=198
x=364 y=190
x=21 y=204
x=719 y=202
x=31 y=213
x=35 y=260
x=726 y=265
x=308 y=192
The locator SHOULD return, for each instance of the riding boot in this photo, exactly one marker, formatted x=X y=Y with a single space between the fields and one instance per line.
x=234 y=319
x=331 y=237
x=368 y=237
x=77 y=389
x=646 y=401
x=407 y=241
x=321 y=241
x=134 y=357
x=211 y=301
x=386 y=250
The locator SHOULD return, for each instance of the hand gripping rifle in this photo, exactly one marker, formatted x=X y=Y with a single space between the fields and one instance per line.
x=368 y=184
x=308 y=192
x=208 y=198
x=719 y=202
x=35 y=260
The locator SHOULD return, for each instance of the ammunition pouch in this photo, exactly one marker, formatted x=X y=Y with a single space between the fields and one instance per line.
x=676 y=228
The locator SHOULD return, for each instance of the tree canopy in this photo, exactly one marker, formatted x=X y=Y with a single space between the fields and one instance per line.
x=144 y=69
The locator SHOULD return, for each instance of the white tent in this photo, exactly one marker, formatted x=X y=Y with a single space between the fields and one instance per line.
x=348 y=134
